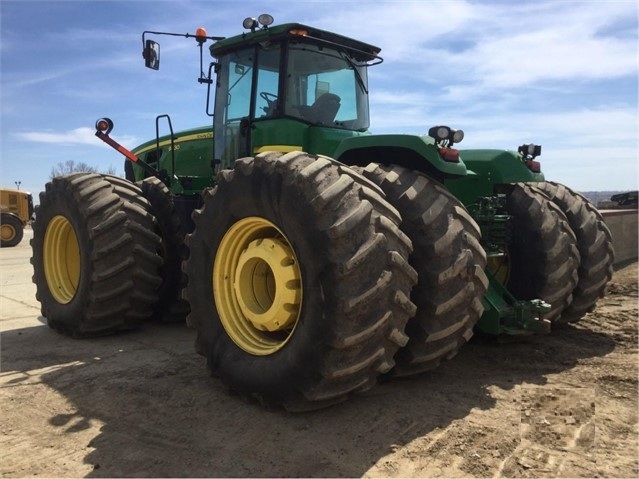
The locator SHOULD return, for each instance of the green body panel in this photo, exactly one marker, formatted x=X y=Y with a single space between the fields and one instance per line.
x=326 y=141
x=194 y=147
x=193 y=155
x=411 y=151
x=489 y=168
x=290 y=134
x=279 y=132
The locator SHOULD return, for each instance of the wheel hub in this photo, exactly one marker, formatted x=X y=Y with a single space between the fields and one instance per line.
x=61 y=259
x=257 y=286
x=7 y=232
x=267 y=284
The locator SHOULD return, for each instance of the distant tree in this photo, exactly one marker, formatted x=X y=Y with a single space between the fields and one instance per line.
x=71 y=166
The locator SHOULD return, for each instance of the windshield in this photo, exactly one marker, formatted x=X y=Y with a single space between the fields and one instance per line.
x=326 y=87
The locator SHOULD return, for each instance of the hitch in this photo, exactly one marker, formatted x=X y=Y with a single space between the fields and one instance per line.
x=504 y=314
x=102 y=129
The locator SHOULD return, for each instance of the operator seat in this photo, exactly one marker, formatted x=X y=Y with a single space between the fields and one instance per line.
x=325 y=108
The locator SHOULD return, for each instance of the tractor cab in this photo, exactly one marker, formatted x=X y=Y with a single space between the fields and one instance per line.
x=289 y=87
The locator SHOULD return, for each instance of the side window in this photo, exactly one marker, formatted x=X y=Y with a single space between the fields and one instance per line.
x=239 y=91
x=268 y=75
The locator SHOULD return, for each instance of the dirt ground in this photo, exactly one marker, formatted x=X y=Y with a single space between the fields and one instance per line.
x=143 y=405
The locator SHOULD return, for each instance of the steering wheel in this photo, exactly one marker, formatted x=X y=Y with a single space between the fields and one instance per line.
x=269 y=97
x=271 y=102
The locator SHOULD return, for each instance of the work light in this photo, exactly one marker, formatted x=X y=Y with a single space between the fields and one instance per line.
x=530 y=151
x=446 y=134
x=265 y=19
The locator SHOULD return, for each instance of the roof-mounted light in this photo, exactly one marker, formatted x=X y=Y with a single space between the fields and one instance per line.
x=265 y=20
x=200 y=35
x=299 y=32
x=250 y=24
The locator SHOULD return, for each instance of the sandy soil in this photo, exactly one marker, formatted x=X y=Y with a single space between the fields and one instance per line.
x=142 y=404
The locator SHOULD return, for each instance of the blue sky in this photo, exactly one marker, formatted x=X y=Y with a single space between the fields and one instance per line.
x=560 y=73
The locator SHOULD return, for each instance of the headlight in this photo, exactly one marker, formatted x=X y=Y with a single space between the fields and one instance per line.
x=530 y=150
x=265 y=19
x=249 y=23
x=440 y=133
x=445 y=133
x=458 y=136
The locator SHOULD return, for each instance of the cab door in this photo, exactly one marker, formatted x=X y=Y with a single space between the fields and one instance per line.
x=247 y=91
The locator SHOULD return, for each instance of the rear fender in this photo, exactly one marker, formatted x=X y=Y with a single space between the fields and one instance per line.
x=410 y=151
x=487 y=170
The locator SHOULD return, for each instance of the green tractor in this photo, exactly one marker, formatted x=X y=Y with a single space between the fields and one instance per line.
x=311 y=256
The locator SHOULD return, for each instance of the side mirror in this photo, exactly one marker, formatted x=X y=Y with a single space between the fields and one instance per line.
x=151 y=55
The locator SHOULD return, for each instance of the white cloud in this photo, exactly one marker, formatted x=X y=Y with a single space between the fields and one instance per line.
x=78 y=136
x=475 y=47
x=549 y=55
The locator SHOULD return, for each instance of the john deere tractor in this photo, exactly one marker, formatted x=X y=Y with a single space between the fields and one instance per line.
x=311 y=256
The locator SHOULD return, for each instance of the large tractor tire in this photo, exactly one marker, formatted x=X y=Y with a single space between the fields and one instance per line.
x=95 y=263
x=449 y=261
x=170 y=307
x=298 y=280
x=594 y=242
x=11 y=230
x=542 y=256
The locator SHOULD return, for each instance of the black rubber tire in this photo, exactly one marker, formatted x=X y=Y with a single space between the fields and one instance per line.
x=117 y=258
x=594 y=242
x=449 y=261
x=542 y=250
x=12 y=231
x=355 y=275
x=143 y=226
x=170 y=307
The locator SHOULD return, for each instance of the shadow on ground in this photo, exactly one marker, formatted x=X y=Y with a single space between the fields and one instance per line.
x=163 y=415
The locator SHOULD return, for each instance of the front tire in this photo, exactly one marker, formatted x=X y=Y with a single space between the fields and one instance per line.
x=449 y=261
x=89 y=263
x=298 y=280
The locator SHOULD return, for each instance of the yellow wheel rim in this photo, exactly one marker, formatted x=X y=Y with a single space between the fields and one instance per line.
x=257 y=286
x=61 y=259
x=7 y=232
x=499 y=266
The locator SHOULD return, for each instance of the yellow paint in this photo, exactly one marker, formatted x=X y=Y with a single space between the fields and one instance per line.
x=62 y=261
x=280 y=148
x=257 y=286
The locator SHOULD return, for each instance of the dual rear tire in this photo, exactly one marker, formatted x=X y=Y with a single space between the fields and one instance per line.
x=594 y=242
x=94 y=257
x=450 y=263
x=298 y=280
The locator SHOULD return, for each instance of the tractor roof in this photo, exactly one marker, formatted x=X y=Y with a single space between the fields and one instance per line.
x=366 y=51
